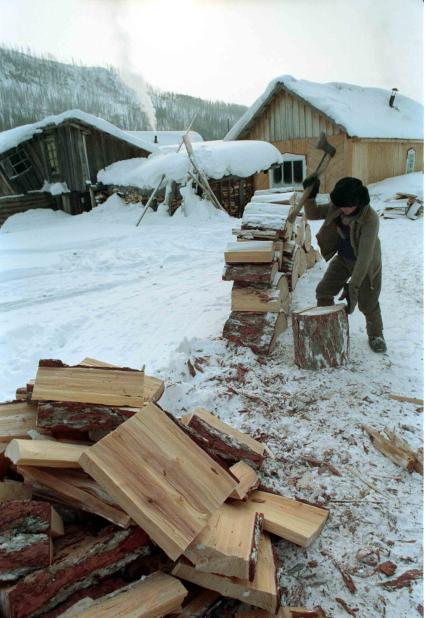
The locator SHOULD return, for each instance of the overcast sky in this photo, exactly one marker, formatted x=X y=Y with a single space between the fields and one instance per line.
x=229 y=49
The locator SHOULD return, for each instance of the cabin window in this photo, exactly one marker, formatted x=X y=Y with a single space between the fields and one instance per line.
x=52 y=155
x=290 y=172
x=410 y=160
x=17 y=163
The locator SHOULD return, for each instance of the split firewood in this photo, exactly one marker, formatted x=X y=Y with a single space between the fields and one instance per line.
x=262 y=297
x=255 y=234
x=156 y=595
x=76 y=490
x=249 y=252
x=160 y=477
x=228 y=545
x=247 y=477
x=250 y=273
x=396 y=449
x=153 y=388
x=307 y=238
x=74 y=567
x=402 y=398
x=263 y=592
x=56 y=381
x=260 y=221
x=320 y=337
x=16 y=419
x=4 y=461
x=199 y=605
x=310 y=257
x=14 y=490
x=44 y=453
x=302 y=263
x=258 y=331
x=291 y=268
x=223 y=439
x=289 y=519
x=63 y=417
x=26 y=530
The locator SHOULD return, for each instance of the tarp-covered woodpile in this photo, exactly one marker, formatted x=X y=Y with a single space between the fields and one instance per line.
x=270 y=254
x=111 y=506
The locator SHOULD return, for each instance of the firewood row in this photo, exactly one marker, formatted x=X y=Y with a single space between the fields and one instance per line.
x=111 y=506
x=265 y=263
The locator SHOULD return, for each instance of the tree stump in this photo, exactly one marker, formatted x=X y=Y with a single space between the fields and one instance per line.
x=321 y=337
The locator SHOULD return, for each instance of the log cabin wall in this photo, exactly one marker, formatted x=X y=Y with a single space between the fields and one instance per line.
x=374 y=160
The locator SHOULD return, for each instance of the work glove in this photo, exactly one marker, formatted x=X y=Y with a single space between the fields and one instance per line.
x=312 y=181
x=351 y=296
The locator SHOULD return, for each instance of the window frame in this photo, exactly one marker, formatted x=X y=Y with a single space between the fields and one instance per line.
x=52 y=155
x=292 y=159
x=11 y=167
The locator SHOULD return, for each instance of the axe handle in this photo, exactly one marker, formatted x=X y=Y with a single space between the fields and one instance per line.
x=321 y=168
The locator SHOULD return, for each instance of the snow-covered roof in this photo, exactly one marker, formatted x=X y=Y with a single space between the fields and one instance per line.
x=13 y=137
x=360 y=111
x=166 y=138
x=217 y=159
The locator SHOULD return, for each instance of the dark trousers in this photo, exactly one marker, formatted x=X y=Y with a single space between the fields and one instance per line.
x=338 y=273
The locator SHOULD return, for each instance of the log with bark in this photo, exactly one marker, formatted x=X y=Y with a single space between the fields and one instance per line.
x=25 y=537
x=258 y=331
x=321 y=337
x=250 y=273
x=291 y=267
x=77 y=565
x=223 y=440
x=69 y=417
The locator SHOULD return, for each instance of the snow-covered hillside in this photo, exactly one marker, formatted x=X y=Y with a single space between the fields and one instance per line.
x=95 y=285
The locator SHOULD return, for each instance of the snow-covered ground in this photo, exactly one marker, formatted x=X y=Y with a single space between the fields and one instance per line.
x=95 y=285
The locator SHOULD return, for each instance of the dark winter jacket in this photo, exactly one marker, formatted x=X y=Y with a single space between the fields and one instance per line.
x=363 y=237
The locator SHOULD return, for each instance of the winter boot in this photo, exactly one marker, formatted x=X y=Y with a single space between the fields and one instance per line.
x=378 y=344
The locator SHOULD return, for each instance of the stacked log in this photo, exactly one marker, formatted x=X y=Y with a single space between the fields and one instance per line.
x=175 y=500
x=265 y=264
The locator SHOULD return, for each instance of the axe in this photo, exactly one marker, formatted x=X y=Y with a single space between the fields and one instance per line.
x=328 y=152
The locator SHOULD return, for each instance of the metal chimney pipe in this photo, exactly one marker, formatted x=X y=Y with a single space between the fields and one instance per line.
x=392 y=97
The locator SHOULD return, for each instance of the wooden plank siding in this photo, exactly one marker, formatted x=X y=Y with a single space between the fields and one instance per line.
x=293 y=126
x=374 y=160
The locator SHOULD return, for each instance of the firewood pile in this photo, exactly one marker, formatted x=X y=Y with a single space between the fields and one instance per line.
x=111 y=506
x=265 y=263
x=403 y=205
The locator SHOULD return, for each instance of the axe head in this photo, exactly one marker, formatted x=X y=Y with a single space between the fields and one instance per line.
x=324 y=145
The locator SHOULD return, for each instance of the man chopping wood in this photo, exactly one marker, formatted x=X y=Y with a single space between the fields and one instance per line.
x=349 y=238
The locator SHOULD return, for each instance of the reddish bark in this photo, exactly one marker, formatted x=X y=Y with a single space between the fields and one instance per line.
x=388 y=568
x=76 y=567
x=64 y=417
x=250 y=273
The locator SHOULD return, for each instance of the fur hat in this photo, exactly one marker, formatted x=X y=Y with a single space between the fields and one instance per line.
x=350 y=192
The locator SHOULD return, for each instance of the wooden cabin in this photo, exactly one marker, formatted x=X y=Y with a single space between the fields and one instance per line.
x=54 y=163
x=230 y=168
x=377 y=134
